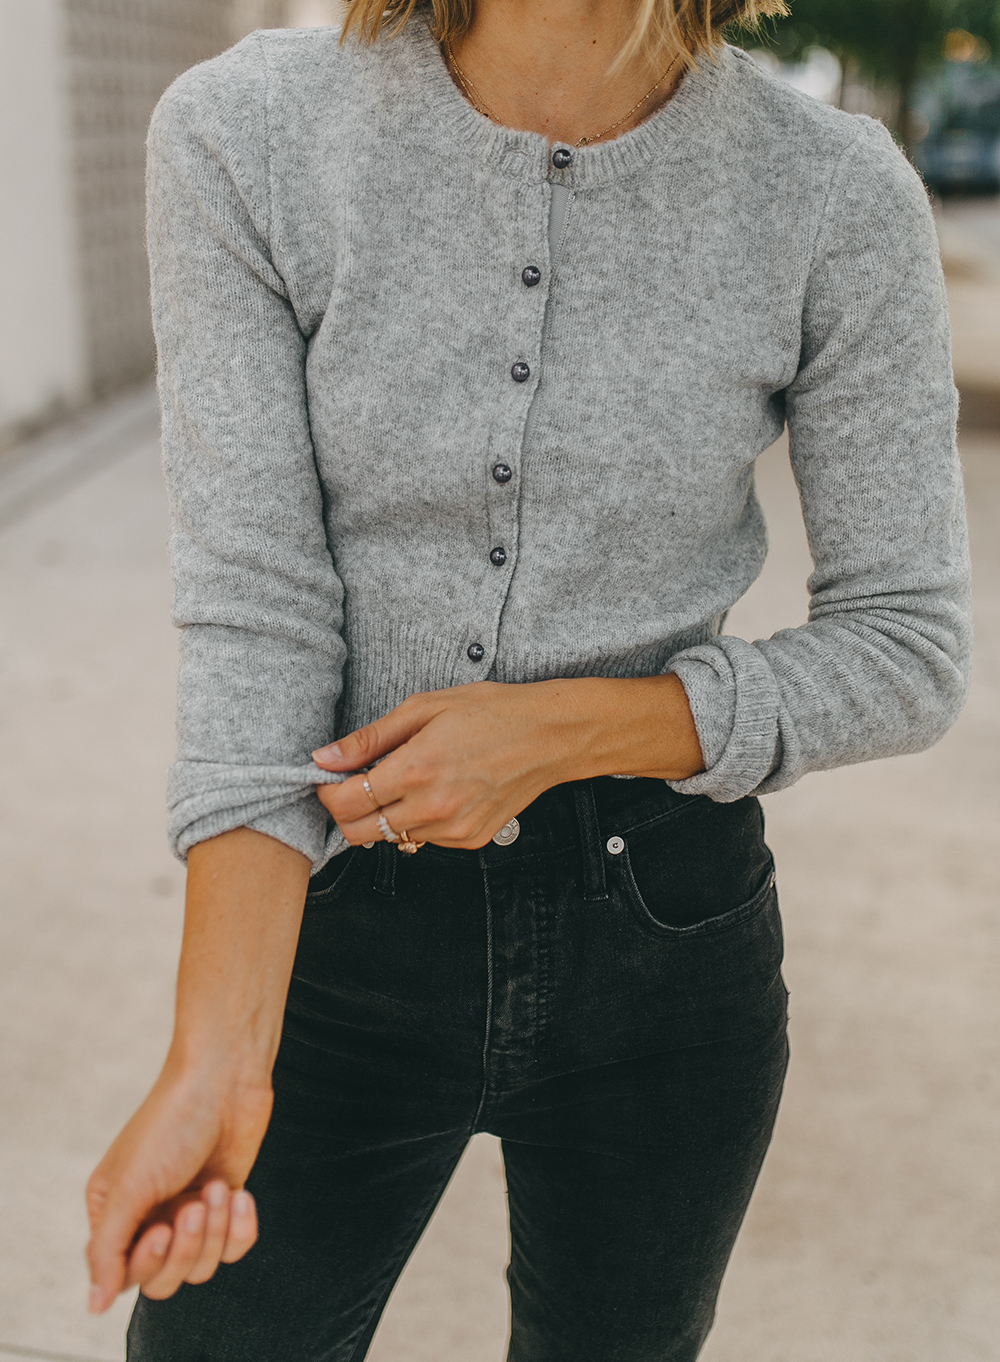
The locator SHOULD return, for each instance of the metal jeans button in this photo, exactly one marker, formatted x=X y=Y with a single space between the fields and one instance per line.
x=509 y=833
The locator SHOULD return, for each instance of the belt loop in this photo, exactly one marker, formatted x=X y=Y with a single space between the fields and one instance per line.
x=386 y=857
x=595 y=886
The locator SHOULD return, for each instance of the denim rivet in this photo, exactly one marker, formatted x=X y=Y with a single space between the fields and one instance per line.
x=510 y=832
x=616 y=846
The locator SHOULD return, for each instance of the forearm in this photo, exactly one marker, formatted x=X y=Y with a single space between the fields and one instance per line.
x=454 y=765
x=245 y=896
x=638 y=726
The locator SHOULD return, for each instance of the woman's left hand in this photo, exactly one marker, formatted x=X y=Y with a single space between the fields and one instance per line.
x=462 y=762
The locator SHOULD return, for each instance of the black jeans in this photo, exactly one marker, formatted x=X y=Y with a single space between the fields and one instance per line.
x=605 y=995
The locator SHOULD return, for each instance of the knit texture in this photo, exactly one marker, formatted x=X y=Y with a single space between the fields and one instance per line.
x=337 y=240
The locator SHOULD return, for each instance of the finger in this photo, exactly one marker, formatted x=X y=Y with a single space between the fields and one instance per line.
x=216 y=1197
x=242 y=1227
x=185 y=1249
x=149 y=1254
x=365 y=745
x=411 y=816
x=108 y=1251
x=365 y=830
x=331 y=800
x=404 y=815
x=349 y=802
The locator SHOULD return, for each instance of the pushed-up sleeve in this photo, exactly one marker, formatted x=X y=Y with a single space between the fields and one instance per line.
x=882 y=666
x=256 y=595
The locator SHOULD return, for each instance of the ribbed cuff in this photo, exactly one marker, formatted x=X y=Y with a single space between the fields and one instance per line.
x=206 y=799
x=734 y=700
x=316 y=835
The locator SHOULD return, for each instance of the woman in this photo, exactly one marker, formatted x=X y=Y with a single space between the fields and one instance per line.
x=470 y=334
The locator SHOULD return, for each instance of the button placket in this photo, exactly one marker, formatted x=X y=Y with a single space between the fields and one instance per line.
x=503 y=514
x=524 y=323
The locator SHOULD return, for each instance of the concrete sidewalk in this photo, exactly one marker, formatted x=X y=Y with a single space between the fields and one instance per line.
x=875 y=1233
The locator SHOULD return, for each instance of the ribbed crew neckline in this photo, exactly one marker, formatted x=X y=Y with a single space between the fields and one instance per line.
x=528 y=155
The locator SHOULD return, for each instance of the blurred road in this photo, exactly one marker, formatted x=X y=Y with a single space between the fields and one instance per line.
x=875 y=1233
x=969 y=232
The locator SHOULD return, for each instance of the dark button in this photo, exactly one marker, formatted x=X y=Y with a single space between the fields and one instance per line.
x=498 y=557
x=502 y=473
x=531 y=275
x=520 y=373
x=476 y=652
x=562 y=157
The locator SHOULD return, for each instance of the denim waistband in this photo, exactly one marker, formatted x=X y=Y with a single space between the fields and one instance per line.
x=575 y=817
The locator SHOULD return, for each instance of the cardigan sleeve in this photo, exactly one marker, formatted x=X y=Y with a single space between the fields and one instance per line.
x=257 y=598
x=882 y=666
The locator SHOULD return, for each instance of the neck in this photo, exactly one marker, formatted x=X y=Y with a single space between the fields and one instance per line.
x=551 y=66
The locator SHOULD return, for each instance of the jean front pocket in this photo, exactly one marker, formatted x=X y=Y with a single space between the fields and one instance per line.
x=698 y=875
x=709 y=926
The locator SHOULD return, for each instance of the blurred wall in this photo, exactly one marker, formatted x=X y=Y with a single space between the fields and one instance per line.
x=119 y=56
x=78 y=81
x=250 y=14
x=42 y=367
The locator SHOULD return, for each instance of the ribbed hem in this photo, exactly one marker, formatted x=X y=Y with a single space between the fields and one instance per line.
x=734 y=700
x=387 y=656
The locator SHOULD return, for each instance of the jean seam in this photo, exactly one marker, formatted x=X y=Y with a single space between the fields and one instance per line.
x=593 y=873
x=668 y=816
x=488 y=1027
x=542 y=964
x=384 y=882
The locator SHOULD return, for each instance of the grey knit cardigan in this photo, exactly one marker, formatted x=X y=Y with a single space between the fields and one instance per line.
x=350 y=350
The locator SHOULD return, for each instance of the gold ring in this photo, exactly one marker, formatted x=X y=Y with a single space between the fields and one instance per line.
x=386 y=830
x=407 y=844
x=371 y=794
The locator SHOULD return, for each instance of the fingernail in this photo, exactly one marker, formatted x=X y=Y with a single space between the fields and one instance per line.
x=331 y=753
x=217 y=1194
x=194 y=1217
x=242 y=1203
x=95 y=1302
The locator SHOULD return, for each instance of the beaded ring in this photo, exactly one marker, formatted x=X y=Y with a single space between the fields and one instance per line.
x=385 y=829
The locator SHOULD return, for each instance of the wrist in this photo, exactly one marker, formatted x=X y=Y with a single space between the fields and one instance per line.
x=225 y=1056
x=639 y=726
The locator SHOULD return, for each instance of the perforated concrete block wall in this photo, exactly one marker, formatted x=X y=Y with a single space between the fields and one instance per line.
x=121 y=55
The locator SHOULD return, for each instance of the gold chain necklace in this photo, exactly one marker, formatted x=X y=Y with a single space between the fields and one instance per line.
x=475 y=99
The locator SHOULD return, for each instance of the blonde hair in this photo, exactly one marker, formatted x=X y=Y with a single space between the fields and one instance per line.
x=691 y=27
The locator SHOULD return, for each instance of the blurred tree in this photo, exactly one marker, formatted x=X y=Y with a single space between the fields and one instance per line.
x=892 y=41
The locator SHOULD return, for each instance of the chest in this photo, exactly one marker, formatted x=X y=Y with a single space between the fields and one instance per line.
x=454 y=311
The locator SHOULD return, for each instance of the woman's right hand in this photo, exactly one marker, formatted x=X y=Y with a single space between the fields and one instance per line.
x=166 y=1203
